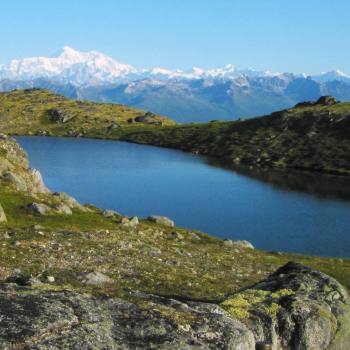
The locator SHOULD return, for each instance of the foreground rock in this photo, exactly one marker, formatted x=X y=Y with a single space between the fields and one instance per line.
x=66 y=320
x=295 y=308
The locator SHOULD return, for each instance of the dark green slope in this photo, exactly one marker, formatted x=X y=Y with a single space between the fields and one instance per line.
x=312 y=136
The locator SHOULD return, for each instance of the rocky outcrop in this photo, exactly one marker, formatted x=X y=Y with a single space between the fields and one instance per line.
x=14 y=168
x=58 y=116
x=295 y=308
x=30 y=319
x=63 y=200
x=322 y=101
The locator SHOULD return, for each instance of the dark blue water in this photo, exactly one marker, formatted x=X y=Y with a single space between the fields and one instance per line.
x=275 y=211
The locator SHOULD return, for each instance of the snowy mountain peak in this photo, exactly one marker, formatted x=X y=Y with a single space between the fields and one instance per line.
x=69 y=54
x=332 y=75
x=90 y=68
x=68 y=66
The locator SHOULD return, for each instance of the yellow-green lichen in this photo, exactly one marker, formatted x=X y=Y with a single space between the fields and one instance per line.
x=240 y=304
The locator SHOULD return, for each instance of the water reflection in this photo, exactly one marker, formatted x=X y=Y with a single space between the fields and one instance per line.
x=323 y=186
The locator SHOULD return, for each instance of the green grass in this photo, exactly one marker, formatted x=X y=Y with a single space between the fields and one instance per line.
x=26 y=112
x=308 y=137
x=149 y=258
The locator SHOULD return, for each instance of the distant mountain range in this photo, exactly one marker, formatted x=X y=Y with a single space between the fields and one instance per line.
x=186 y=96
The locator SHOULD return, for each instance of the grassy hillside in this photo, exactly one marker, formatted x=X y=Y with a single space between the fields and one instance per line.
x=40 y=112
x=143 y=256
x=73 y=274
x=311 y=136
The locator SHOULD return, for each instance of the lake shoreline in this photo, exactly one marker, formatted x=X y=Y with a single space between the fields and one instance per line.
x=284 y=188
x=310 y=136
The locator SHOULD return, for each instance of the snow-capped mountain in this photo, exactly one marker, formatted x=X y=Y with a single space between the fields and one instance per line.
x=69 y=66
x=331 y=76
x=190 y=95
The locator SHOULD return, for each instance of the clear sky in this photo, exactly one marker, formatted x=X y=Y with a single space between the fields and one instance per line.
x=283 y=35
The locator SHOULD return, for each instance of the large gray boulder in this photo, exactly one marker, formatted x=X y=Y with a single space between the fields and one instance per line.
x=54 y=320
x=295 y=308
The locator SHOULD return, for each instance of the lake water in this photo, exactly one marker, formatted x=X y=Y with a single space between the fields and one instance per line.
x=279 y=211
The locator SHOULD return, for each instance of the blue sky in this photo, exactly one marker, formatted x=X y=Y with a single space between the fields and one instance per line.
x=284 y=35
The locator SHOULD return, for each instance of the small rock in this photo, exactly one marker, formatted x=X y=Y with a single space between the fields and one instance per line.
x=39 y=208
x=193 y=235
x=132 y=222
x=38 y=227
x=243 y=244
x=6 y=236
x=2 y=214
x=228 y=242
x=176 y=235
x=155 y=252
x=109 y=213
x=63 y=209
x=96 y=279
x=38 y=183
x=23 y=280
x=58 y=116
x=161 y=220
x=50 y=279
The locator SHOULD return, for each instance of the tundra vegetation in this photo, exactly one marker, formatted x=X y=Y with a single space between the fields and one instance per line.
x=76 y=276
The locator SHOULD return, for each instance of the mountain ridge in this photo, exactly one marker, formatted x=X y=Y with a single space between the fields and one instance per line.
x=68 y=64
x=196 y=95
